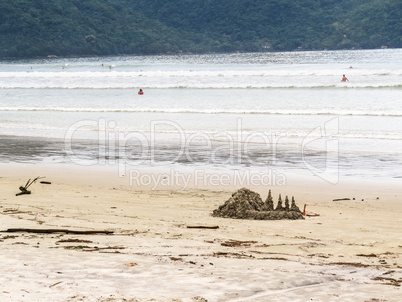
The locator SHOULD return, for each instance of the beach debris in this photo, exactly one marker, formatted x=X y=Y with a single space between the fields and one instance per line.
x=352 y=264
x=367 y=255
x=339 y=199
x=233 y=255
x=311 y=214
x=24 y=190
x=11 y=210
x=389 y=281
x=9 y=237
x=73 y=240
x=86 y=248
x=131 y=264
x=46 y=182
x=202 y=227
x=50 y=231
x=199 y=299
x=246 y=204
x=54 y=284
x=234 y=243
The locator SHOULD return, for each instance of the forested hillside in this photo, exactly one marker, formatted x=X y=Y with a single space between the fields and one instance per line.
x=35 y=28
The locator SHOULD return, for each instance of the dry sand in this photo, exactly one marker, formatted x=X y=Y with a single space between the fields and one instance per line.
x=351 y=252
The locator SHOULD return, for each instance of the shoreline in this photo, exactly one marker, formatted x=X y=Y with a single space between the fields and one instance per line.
x=349 y=252
x=272 y=165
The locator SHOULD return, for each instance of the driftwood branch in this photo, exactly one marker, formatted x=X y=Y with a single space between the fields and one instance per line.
x=202 y=227
x=54 y=284
x=49 y=231
x=24 y=190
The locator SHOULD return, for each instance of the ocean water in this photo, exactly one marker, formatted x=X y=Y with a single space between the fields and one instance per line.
x=270 y=113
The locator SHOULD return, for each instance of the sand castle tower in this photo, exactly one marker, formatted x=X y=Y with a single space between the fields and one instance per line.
x=269 y=202
x=279 y=207
x=294 y=207
x=287 y=208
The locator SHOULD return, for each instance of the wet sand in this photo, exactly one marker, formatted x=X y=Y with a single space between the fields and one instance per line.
x=350 y=252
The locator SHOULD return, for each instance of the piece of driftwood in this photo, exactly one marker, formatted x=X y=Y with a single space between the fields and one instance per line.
x=202 y=227
x=46 y=182
x=24 y=190
x=49 y=231
x=54 y=284
x=339 y=199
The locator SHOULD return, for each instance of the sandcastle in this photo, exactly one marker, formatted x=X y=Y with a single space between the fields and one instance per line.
x=246 y=204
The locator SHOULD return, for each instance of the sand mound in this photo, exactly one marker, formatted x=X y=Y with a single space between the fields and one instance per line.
x=246 y=204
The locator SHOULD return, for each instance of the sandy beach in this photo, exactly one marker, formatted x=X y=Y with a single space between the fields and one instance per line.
x=132 y=181
x=350 y=252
